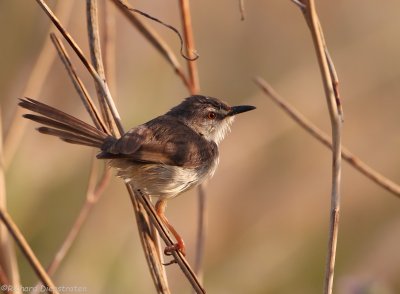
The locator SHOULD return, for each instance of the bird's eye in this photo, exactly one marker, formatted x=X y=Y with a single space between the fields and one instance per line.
x=211 y=115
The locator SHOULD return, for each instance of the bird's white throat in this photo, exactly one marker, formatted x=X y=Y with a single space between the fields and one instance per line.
x=218 y=132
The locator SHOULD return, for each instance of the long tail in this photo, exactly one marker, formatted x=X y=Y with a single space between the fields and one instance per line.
x=64 y=126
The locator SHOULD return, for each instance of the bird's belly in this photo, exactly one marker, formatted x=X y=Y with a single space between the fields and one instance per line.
x=160 y=180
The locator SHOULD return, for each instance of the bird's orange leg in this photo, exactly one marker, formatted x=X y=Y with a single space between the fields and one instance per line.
x=180 y=245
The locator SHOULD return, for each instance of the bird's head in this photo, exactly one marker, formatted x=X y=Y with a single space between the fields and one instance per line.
x=209 y=117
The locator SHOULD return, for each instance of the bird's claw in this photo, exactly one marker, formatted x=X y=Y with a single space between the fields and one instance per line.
x=170 y=262
x=175 y=247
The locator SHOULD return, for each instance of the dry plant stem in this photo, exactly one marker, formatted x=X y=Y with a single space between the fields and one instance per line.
x=79 y=86
x=318 y=134
x=34 y=85
x=241 y=9
x=190 y=47
x=201 y=231
x=157 y=243
x=194 y=89
x=335 y=83
x=149 y=244
x=8 y=259
x=179 y=258
x=102 y=84
x=110 y=51
x=336 y=123
x=333 y=80
x=334 y=77
x=95 y=53
x=27 y=251
x=153 y=38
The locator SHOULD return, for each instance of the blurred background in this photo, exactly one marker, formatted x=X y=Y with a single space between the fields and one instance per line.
x=268 y=203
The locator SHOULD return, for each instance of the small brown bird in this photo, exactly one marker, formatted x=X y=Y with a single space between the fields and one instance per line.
x=163 y=157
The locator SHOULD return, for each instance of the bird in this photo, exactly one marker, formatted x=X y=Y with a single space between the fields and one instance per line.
x=163 y=157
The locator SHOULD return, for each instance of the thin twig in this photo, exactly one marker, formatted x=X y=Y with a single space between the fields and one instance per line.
x=153 y=38
x=8 y=258
x=318 y=134
x=163 y=231
x=149 y=244
x=330 y=82
x=95 y=53
x=334 y=77
x=79 y=86
x=102 y=84
x=190 y=47
x=201 y=231
x=194 y=88
x=33 y=87
x=336 y=123
x=172 y=28
x=27 y=251
x=109 y=40
x=242 y=10
x=300 y=4
x=335 y=83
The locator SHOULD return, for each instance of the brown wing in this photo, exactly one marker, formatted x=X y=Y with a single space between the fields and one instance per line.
x=163 y=140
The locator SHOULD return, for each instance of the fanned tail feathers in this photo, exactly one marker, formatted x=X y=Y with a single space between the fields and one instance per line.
x=62 y=125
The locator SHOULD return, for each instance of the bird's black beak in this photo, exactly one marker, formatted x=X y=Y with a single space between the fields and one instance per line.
x=239 y=109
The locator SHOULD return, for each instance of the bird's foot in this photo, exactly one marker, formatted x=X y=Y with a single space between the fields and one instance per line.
x=175 y=247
